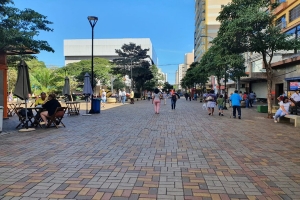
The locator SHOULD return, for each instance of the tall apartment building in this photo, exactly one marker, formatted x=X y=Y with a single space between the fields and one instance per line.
x=206 y=24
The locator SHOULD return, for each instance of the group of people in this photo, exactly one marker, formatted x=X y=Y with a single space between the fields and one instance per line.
x=157 y=96
x=49 y=104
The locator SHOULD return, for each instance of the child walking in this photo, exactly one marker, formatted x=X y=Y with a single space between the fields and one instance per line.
x=220 y=102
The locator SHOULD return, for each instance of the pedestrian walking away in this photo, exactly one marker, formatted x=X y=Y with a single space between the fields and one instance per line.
x=156 y=100
x=173 y=100
x=220 y=103
x=149 y=95
x=186 y=95
x=236 y=104
x=165 y=96
x=252 y=96
x=211 y=102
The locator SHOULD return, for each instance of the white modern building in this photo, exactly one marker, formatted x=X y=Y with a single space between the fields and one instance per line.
x=76 y=50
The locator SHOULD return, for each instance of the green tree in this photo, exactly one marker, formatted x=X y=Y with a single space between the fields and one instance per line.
x=102 y=68
x=167 y=86
x=133 y=57
x=18 y=29
x=247 y=26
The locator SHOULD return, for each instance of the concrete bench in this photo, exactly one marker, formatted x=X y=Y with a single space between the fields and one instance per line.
x=288 y=118
x=111 y=100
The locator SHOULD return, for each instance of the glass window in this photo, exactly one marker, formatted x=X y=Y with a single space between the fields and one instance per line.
x=294 y=32
x=295 y=13
x=281 y=21
x=257 y=66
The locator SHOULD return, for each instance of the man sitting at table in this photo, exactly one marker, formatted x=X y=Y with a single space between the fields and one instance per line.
x=50 y=107
x=42 y=100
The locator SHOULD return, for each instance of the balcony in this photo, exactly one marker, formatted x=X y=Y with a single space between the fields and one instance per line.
x=280 y=8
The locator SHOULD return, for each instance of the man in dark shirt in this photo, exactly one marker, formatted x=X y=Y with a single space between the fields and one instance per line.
x=50 y=107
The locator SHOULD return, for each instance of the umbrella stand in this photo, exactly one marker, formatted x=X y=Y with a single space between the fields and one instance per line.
x=87 y=112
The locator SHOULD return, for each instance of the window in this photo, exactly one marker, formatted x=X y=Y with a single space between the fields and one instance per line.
x=281 y=22
x=295 y=13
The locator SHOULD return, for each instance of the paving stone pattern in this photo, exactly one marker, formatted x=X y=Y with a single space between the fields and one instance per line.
x=128 y=152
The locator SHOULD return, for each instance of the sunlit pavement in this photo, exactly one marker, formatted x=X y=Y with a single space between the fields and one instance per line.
x=128 y=152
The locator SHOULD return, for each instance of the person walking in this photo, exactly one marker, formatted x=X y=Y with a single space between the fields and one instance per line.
x=211 y=102
x=186 y=95
x=236 y=104
x=220 y=103
x=131 y=97
x=123 y=96
x=165 y=96
x=252 y=96
x=246 y=99
x=173 y=100
x=156 y=100
x=103 y=98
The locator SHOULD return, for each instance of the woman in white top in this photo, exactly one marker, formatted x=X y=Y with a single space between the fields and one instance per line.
x=103 y=97
x=156 y=99
x=284 y=108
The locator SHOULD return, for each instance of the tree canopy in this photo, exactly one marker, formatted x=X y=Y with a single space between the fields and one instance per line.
x=248 y=26
x=133 y=57
x=18 y=29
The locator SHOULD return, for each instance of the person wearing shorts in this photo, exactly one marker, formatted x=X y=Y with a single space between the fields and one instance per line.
x=220 y=102
x=211 y=102
x=103 y=98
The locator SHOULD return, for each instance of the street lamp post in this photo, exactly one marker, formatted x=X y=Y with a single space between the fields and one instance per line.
x=93 y=20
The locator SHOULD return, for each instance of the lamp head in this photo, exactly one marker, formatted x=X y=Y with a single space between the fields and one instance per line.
x=93 y=20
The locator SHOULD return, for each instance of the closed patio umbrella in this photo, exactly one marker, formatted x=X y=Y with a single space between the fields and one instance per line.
x=66 y=88
x=87 y=89
x=23 y=88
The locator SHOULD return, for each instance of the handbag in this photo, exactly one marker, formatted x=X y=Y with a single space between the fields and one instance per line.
x=209 y=98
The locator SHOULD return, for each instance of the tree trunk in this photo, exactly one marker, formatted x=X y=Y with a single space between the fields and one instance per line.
x=238 y=84
x=269 y=88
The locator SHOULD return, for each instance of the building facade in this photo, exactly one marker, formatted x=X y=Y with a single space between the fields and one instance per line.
x=285 y=64
x=81 y=49
x=206 y=24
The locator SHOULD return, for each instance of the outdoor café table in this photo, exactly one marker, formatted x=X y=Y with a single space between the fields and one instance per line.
x=73 y=107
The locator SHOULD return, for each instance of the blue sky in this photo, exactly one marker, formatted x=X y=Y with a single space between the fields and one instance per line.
x=168 y=23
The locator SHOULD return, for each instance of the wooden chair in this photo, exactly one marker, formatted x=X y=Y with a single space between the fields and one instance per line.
x=56 y=118
x=22 y=118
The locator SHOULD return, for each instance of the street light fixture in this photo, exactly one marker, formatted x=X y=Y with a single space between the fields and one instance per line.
x=93 y=20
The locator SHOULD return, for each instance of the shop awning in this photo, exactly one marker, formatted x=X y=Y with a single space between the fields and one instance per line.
x=292 y=78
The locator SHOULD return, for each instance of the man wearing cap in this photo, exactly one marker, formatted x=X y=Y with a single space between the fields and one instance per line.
x=42 y=100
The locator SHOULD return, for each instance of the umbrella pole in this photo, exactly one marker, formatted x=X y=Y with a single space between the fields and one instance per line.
x=87 y=112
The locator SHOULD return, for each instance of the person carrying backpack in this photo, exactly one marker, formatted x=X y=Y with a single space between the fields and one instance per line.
x=173 y=100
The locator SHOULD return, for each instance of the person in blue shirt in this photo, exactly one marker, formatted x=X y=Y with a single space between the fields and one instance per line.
x=236 y=104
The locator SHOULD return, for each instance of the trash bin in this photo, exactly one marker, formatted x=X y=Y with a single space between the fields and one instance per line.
x=262 y=108
x=1 y=118
x=96 y=105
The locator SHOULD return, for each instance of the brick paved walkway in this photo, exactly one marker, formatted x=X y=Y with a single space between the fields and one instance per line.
x=128 y=152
